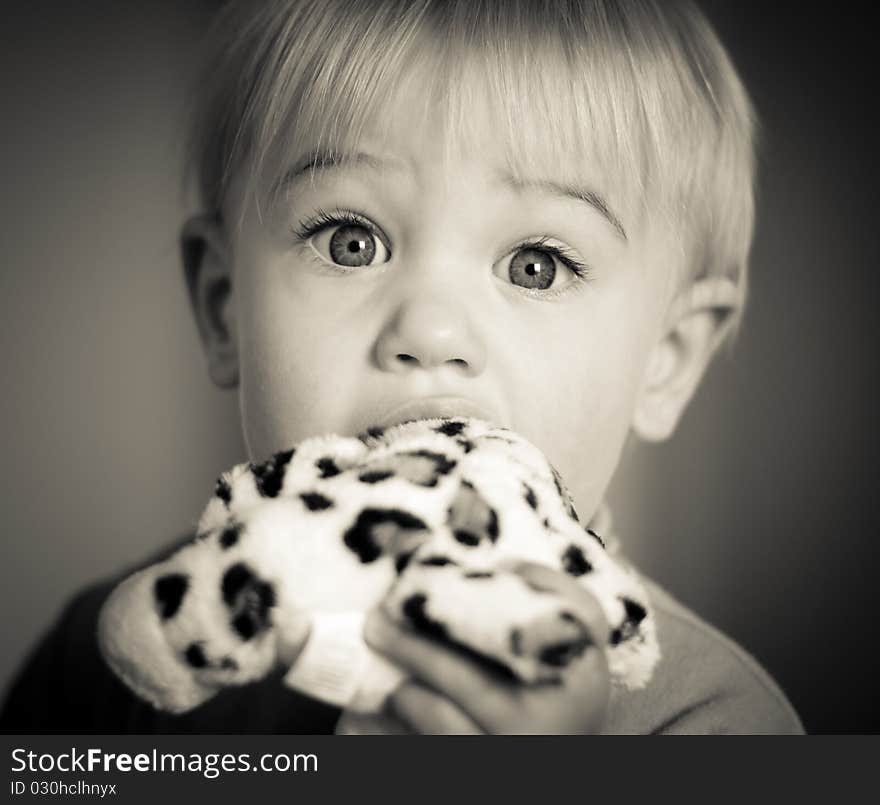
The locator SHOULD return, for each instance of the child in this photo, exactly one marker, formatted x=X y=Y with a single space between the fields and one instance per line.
x=535 y=212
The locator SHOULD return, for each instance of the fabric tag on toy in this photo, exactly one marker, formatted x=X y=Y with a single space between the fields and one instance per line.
x=337 y=667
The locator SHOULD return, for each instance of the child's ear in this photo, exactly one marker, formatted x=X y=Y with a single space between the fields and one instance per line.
x=208 y=273
x=697 y=323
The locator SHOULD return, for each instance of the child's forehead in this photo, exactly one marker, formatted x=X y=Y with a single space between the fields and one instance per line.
x=539 y=135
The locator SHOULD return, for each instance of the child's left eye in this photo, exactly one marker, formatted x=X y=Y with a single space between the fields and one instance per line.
x=533 y=266
x=345 y=239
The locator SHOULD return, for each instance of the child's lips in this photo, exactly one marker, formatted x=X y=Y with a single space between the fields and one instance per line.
x=435 y=407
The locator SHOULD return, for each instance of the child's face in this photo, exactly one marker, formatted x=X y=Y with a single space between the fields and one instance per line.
x=431 y=305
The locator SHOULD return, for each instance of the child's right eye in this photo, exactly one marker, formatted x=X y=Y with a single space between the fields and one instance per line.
x=345 y=239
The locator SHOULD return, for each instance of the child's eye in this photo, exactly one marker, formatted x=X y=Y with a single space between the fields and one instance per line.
x=344 y=239
x=538 y=266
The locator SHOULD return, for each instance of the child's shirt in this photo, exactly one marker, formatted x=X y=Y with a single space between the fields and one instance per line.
x=704 y=683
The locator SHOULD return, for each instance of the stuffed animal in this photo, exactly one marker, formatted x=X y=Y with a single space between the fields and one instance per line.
x=424 y=518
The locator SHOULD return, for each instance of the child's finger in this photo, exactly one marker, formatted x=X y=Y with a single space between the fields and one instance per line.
x=428 y=713
x=579 y=705
x=576 y=595
x=374 y=724
x=478 y=692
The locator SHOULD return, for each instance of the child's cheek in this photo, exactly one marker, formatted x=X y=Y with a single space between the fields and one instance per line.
x=578 y=408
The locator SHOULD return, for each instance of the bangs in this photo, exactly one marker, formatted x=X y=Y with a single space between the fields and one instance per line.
x=640 y=101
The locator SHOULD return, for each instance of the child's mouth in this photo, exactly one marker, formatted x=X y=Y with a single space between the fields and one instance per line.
x=433 y=408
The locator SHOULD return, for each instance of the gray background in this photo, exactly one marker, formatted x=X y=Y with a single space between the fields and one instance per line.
x=759 y=514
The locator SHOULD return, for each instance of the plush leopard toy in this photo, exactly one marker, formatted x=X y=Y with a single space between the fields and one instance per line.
x=425 y=518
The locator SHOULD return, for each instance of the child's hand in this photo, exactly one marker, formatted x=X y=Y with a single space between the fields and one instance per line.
x=450 y=693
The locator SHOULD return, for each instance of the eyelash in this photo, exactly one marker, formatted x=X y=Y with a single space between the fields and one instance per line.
x=312 y=226
x=307 y=228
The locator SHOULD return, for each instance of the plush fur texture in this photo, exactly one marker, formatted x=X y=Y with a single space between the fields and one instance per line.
x=423 y=518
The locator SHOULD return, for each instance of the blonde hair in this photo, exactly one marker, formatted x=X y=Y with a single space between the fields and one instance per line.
x=642 y=92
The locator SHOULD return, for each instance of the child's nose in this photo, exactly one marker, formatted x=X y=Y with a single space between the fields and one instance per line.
x=427 y=333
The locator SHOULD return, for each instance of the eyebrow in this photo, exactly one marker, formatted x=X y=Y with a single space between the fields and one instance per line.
x=328 y=160
x=564 y=190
